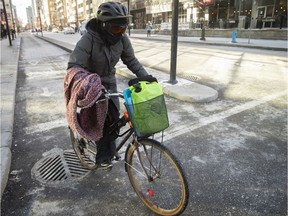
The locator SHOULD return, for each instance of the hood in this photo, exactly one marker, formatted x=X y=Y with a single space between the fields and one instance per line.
x=93 y=26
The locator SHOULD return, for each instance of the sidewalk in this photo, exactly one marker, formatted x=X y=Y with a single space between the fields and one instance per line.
x=9 y=66
x=280 y=45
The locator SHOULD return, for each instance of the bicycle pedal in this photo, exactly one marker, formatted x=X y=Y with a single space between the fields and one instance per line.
x=105 y=166
x=107 y=169
x=117 y=157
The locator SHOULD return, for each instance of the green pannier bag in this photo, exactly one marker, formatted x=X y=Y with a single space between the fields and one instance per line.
x=149 y=114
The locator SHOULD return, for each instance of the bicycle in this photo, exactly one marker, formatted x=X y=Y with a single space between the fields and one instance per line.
x=154 y=172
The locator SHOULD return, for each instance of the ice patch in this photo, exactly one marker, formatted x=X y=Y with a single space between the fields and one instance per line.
x=198 y=159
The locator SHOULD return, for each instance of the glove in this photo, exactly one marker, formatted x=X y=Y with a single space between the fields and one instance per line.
x=148 y=78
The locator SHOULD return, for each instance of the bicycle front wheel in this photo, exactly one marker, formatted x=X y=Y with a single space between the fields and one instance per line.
x=157 y=177
x=85 y=150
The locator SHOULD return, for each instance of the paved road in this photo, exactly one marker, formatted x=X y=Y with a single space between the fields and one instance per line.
x=233 y=149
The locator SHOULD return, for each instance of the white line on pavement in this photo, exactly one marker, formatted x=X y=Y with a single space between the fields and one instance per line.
x=178 y=131
x=46 y=126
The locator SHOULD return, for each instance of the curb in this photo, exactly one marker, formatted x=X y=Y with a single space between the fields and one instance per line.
x=192 y=92
x=65 y=46
x=240 y=45
x=9 y=74
x=183 y=90
x=6 y=158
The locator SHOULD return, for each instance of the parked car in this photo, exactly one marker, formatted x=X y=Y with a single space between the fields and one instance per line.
x=82 y=28
x=55 y=30
x=68 y=30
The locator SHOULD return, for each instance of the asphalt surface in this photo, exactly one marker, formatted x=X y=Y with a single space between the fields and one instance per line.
x=9 y=68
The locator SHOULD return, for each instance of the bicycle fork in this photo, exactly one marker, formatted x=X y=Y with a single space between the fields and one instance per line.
x=150 y=173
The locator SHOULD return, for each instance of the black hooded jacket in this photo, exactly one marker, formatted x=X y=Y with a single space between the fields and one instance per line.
x=93 y=53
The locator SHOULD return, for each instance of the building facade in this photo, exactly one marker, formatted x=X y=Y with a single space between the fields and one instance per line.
x=12 y=20
x=211 y=13
x=63 y=13
x=219 y=14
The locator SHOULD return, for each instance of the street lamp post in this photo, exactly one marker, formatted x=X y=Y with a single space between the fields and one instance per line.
x=32 y=27
x=174 y=42
x=13 y=21
x=76 y=7
x=217 y=12
x=6 y=20
x=89 y=8
x=228 y=10
x=40 y=21
x=129 y=26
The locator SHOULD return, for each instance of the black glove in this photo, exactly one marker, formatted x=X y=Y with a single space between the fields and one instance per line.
x=102 y=96
x=148 y=78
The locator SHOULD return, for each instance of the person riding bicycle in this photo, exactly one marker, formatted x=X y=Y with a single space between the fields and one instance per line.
x=98 y=51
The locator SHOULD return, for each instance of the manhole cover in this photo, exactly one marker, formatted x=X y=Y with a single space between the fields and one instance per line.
x=190 y=77
x=59 y=166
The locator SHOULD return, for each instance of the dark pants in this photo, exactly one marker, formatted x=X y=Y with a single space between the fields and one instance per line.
x=106 y=147
x=148 y=33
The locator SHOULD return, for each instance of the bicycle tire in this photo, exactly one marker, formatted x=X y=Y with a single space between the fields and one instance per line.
x=85 y=151
x=166 y=193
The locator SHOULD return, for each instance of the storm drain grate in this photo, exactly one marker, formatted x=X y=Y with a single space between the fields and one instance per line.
x=58 y=166
x=190 y=77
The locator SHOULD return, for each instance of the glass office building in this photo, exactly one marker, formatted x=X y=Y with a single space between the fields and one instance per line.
x=211 y=13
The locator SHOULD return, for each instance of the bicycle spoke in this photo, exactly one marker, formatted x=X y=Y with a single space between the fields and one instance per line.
x=154 y=161
x=144 y=175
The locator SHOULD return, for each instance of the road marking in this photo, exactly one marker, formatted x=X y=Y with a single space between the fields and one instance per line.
x=180 y=130
x=33 y=62
x=52 y=73
x=46 y=126
x=46 y=92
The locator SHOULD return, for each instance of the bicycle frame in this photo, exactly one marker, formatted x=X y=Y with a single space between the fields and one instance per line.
x=121 y=123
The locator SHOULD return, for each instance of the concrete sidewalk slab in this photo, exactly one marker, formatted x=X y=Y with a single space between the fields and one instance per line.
x=184 y=90
x=9 y=68
x=190 y=92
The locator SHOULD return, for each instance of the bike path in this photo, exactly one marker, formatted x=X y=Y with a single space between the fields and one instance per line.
x=183 y=90
x=9 y=69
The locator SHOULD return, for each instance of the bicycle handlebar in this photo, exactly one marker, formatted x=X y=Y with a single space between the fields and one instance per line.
x=109 y=95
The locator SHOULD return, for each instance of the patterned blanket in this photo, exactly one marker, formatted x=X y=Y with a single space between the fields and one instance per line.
x=81 y=90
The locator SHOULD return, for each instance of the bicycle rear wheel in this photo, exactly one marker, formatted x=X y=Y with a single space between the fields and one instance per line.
x=85 y=150
x=157 y=177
